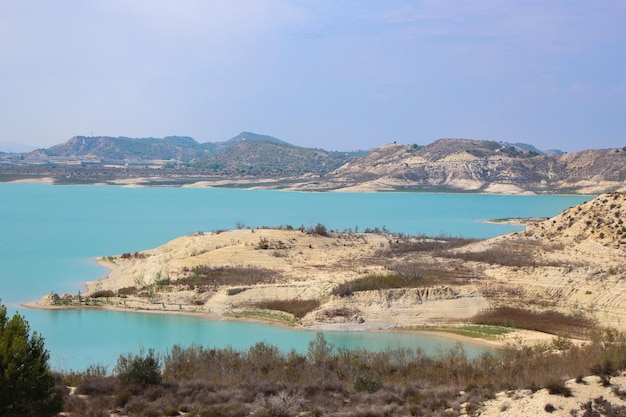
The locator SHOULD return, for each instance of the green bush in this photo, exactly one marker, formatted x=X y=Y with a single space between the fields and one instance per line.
x=142 y=369
x=27 y=387
x=364 y=383
x=321 y=230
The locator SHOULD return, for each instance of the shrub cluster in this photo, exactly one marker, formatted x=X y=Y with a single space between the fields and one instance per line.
x=298 y=308
x=552 y=322
x=518 y=254
x=207 y=276
x=263 y=381
x=403 y=244
x=401 y=276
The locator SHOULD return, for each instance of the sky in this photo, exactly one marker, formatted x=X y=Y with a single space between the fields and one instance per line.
x=330 y=74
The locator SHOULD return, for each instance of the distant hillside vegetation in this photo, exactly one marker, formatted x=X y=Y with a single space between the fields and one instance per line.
x=251 y=137
x=269 y=158
x=130 y=149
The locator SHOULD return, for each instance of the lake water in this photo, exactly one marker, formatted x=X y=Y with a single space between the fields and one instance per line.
x=49 y=236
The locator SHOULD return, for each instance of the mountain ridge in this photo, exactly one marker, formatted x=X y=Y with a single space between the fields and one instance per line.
x=249 y=159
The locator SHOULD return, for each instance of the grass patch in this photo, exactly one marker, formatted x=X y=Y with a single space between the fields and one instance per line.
x=475 y=331
x=298 y=308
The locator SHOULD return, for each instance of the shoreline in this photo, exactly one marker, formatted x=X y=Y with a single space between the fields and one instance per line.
x=528 y=337
x=515 y=221
x=144 y=182
x=42 y=180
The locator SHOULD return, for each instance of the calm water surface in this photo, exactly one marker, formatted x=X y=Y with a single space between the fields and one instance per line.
x=49 y=236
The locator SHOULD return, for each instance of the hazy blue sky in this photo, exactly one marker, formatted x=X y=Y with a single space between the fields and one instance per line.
x=337 y=74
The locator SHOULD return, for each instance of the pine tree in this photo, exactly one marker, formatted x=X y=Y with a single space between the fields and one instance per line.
x=27 y=386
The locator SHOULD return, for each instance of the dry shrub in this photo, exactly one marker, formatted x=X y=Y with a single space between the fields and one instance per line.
x=97 y=385
x=406 y=275
x=551 y=322
x=126 y=291
x=207 y=276
x=513 y=254
x=263 y=380
x=376 y=282
x=557 y=387
x=281 y=404
x=102 y=294
x=298 y=308
x=402 y=244
x=336 y=312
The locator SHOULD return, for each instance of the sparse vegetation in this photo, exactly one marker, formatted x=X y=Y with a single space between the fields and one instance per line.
x=207 y=276
x=264 y=381
x=299 y=308
x=521 y=253
x=332 y=381
x=402 y=276
x=402 y=244
x=488 y=332
x=552 y=322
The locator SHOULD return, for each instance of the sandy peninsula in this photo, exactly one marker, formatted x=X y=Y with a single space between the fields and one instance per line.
x=572 y=264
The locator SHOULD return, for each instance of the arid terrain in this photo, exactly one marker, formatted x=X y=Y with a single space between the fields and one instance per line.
x=250 y=160
x=572 y=264
x=551 y=296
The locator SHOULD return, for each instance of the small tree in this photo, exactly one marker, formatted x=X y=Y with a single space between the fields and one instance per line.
x=27 y=386
x=142 y=369
x=321 y=230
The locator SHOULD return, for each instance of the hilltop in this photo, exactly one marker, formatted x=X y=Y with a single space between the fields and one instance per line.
x=251 y=160
x=481 y=166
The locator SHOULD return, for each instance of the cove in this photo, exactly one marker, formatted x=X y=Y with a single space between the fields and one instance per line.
x=49 y=236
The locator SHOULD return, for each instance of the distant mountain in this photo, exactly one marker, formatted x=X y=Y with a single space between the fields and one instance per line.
x=483 y=166
x=14 y=147
x=250 y=159
x=249 y=154
x=252 y=137
x=123 y=149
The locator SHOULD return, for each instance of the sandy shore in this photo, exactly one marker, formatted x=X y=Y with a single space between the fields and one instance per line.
x=45 y=180
x=514 y=337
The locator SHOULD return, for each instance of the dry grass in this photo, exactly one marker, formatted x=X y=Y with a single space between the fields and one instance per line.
x=403 y=244
x=551 y=322
x=206 y=276
x=518 y=254
x=404 y=275
x=331 y=381
x=298 y=308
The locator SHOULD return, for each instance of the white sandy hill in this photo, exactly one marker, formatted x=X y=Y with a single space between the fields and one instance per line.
x=588 y=397
x=575 y=262
x=301 y=266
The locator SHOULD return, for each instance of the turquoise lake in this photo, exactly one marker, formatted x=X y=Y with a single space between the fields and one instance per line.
x=50 y=235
